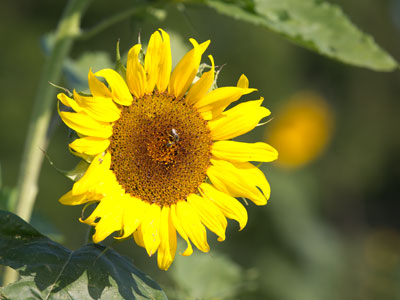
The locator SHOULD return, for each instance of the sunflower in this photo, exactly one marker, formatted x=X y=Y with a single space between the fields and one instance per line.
x=159 y=154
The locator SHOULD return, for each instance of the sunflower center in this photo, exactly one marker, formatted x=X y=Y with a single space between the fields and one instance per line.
x=160 y=149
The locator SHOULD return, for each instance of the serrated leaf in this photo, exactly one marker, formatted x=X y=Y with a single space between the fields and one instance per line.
x=50 y=271
x=314 y=24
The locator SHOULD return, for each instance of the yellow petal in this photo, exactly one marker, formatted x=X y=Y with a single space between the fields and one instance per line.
x=109 y=210
x=165 y=63
x=238 y=120
x=240 y=180
x=108 y=184
x=151 y=229
x=69 y=199
x=185 y=71
x=222 y=97
x=202 y=86
x=213 y=104
x=94 y=174
x=229 y=206
x=86 y=125
x=67 y=101
x=90 y=145
x=192 y=226
x=106 y=226
x=210 y=215
x=167 y=249
x=99 y=108
x=85 y=157
x=243 y=82
x=152 y=60
x=134 y=209
x=98 y=88
x=119 y=91
x=177 y=224
x=135 y=74
x=138 y=236
x=241 y=152
x=217 y=100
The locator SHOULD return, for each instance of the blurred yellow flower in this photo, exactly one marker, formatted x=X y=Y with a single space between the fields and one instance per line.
x=302 y=129
x=160 y=154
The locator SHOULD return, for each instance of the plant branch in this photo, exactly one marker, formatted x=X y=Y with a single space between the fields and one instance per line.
x=89 y=33
x=27 y=187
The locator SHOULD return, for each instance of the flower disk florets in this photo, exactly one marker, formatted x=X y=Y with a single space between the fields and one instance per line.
x=160 y=149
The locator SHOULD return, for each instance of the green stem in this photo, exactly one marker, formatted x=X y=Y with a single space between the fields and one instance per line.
x=67 y=30
x=87 y=34
x=27 y=187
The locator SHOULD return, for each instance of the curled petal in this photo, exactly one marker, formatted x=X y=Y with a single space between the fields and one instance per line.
x=67 y=101
x=138 y=236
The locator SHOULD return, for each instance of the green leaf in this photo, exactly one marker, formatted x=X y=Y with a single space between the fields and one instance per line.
x=208 y=276
x=76 y=71
x=314 y=24
x=50 y=271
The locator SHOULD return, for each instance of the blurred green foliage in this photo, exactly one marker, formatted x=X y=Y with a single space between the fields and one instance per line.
x=331 y=229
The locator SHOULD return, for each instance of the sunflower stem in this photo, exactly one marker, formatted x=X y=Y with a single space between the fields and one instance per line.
x=106 y=23
x=36 y=142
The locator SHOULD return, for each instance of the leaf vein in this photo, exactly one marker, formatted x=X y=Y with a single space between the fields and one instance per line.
x=59 y=275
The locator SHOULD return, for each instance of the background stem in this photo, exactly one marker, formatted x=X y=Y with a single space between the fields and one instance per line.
x=68 y=29
x=36 y=142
